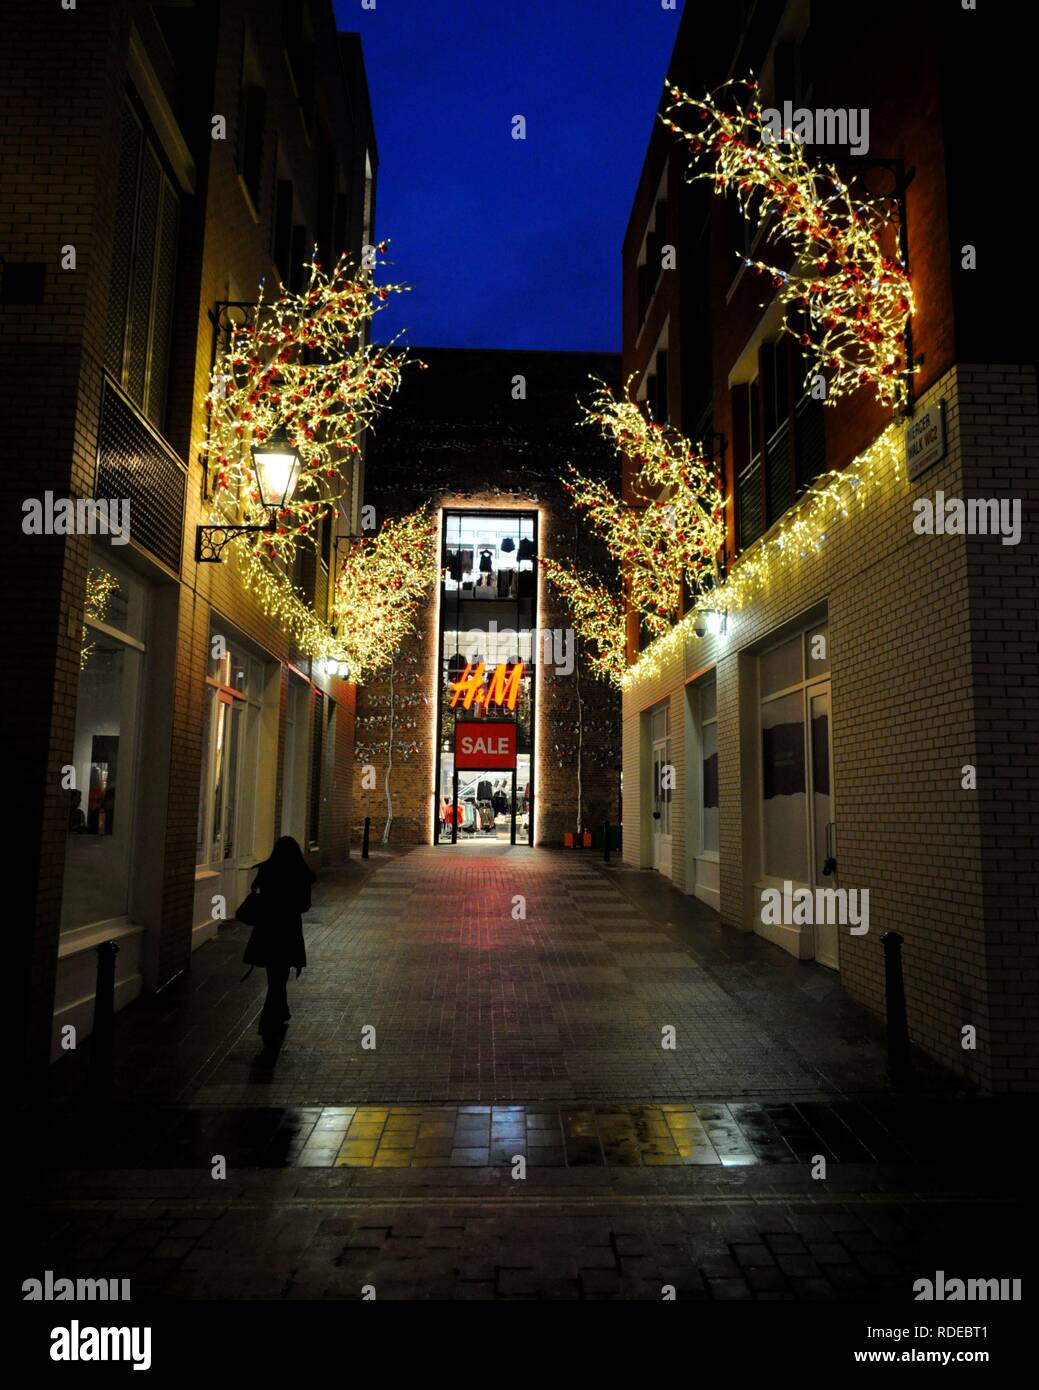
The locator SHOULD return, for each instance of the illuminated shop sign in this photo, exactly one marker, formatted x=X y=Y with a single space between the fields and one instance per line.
x=485 y=745
x=502 y=691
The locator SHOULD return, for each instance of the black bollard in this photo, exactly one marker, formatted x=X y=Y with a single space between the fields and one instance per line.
x=898 y=1062
x=102 y=1037
x=367 y=832
x=606 y=841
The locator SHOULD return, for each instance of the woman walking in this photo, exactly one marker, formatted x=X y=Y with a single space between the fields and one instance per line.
x=279 y=896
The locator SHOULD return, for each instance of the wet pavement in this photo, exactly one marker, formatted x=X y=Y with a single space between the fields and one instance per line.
x=517 y=1129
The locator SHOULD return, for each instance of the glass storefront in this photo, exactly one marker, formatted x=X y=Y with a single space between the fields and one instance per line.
x=488 y=659
x=101 y=802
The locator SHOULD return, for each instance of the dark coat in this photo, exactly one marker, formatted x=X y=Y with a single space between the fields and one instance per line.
x=277 y=939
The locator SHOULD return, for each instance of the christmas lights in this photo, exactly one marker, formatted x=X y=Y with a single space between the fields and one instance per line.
x=378 y=588
x=100 y=587
x=853 y=300
x=302 y=365
x=672 y=536
x=802 y=532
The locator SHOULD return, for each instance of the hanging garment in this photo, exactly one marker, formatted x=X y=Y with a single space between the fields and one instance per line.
x=507 y=587
x=483 y=791
x=486 y=561
x=459 y=562
x=526 y=584
x=526 y=549
x=486 y=813
x=508 y=545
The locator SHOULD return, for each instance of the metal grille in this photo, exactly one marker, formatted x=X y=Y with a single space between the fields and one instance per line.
x=748 y=500
x=132 y=462
x=122 y=248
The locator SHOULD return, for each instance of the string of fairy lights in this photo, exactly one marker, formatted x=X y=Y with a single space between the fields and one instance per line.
x=304 y=365
x=802 y=532
x=846 y=300
x=852 y=297
x=100 y=587
x=668 y=538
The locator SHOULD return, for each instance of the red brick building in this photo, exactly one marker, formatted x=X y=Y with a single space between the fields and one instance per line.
x=160 y=161
x=870 y=708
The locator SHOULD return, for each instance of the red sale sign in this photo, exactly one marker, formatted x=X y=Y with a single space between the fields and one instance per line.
x=480 y=744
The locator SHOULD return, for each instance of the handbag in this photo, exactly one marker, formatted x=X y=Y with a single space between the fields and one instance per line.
x=250 y=909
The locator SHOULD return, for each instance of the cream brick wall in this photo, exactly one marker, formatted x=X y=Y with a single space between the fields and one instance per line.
x=906 y=613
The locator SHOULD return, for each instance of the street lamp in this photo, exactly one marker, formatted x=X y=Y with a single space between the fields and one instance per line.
x=337 y=668
x=710 y=620
x=277 y=465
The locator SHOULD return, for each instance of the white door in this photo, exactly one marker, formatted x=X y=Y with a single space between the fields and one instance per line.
x=663 y=783
x=822 y=830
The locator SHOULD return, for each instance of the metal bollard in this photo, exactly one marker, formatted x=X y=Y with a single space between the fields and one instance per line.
x=102 y=1036
x=898 y=1060
x=367 y=832
x=606 y=841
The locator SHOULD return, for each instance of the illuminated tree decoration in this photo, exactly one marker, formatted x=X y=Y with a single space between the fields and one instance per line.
x=672 y=534
x=803 y=531
x=853 y=300
x=598 y=615
x=302 y=364
x=100 y=587
x=378 y=588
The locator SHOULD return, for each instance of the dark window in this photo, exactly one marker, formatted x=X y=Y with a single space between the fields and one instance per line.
x=784 y=71
x=250 y=140
x=283 y=228
x=326 y=196
x=141 y=286
x=810 y=441
x=317 y=749
x=22 y=282
x=300 y=252
x=775 y=379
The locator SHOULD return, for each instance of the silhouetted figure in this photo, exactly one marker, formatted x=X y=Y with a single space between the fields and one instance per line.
x=282 y=885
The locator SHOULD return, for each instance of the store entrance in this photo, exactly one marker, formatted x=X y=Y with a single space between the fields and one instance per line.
x=484 y=806
x=484 y=790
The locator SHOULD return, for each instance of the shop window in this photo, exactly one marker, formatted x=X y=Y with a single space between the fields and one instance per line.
x=230 y=729
x=142 y=278
x=489 y=657
x=101 y=804
x=317 y=749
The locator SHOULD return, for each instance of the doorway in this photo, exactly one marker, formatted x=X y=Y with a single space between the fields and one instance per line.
x=662 y=788
x=820 y=810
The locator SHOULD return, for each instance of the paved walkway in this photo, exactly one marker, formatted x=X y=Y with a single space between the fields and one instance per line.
x=517 y=1129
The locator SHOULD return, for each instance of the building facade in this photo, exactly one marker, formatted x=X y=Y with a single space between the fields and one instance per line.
x=162 y=161
x=860 y=718
x=483 y=438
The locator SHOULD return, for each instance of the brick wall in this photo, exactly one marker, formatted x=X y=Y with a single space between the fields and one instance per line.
x=932 y=661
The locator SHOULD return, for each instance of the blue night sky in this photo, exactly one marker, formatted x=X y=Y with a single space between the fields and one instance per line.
x=509 y=243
